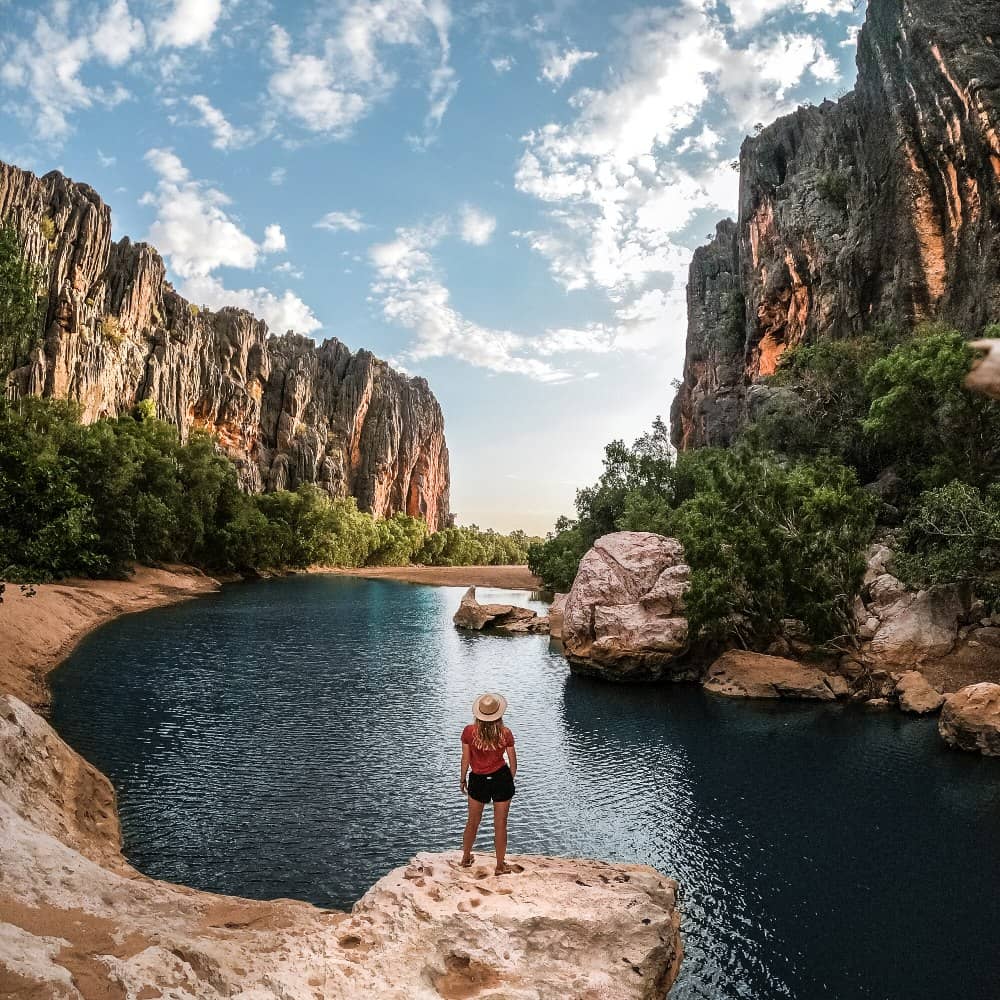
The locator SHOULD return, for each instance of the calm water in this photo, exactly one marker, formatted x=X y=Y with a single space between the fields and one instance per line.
x=300 y=738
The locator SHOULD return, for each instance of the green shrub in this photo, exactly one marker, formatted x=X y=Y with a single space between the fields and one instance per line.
x=834 y=186
x=21 y=303
x=111 y=330
x=47 y=227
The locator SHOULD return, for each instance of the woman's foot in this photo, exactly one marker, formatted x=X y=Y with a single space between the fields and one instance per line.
x=503 y=869
x=467 y=860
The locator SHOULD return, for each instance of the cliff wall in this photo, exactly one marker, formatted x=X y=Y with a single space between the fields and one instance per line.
x=285 y=410
x=882 y=207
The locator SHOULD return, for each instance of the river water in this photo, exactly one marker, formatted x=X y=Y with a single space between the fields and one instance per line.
x=300 y=737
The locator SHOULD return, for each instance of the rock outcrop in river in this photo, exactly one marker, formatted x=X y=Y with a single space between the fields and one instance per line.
x=77 y=923
x=623 y=619
x=507 y=619
x=884 y=206
x=285 y=410
x=970 y=719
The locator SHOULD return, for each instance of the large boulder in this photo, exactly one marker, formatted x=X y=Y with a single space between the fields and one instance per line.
x=77 y=923
x=970 y=719
x=624 y=615
x=507 y=619
x=740 y=673
x=913 y=627
x=916 y=694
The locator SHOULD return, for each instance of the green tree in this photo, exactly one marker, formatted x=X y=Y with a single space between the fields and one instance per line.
x=20 y=303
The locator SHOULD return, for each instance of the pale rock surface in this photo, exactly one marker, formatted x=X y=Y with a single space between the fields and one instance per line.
x=916 y=694
x=970 y=719
x=913 y=627
x=77 y=923
x=508 y=619
x=624 y=615
x=557 y=614
x=740 y=673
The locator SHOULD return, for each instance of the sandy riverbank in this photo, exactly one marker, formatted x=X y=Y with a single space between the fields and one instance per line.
x=505 y=577
x=37 y=633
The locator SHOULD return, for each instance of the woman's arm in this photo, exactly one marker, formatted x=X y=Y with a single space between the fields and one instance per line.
x=512 y=760
x=465 y=765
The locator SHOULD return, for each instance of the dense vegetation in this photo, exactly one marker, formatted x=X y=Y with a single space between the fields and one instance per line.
x=775 y=527
x=93 y=499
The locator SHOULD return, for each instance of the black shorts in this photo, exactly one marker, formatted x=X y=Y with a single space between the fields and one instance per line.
x=495 y=787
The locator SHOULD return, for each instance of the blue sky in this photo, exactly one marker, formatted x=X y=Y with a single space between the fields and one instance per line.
x=502 y=196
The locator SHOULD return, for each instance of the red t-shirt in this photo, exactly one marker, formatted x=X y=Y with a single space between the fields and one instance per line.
x=486 y=761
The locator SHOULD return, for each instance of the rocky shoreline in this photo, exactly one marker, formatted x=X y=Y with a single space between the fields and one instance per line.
x=77 y=922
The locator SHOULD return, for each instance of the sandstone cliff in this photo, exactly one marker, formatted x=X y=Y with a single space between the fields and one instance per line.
x=883 y=207
x=284 y=409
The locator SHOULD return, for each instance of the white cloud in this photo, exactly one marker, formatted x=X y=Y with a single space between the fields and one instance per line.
x=412 y=295
x=281 y=312
x=706 y=141
x=503 y=64
x=118 y=34
x=189 y=22
x=46 y=65
x=225 y=135
x=278 y=175
x=747 y=13
x=329 y=90
x=274 y=239
x=192 y=228
x=558 y=66
x=336 y=221
x=106 y=161
x=476 y=226
x=286 y=267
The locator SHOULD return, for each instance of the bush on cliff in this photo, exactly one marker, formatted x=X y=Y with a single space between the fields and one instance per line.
x=20 y=303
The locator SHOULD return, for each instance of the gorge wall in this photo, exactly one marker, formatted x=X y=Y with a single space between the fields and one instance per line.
x=882 y=207
x=285 y=410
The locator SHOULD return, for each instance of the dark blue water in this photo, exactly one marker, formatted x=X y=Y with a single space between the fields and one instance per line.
x=301 y=737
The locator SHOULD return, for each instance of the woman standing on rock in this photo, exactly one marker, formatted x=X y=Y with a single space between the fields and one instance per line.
x=484 y=744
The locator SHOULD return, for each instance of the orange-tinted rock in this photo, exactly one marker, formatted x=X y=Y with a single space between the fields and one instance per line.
x=881 y=207
x=740 y=673
x=970 y=719
x=286 y=410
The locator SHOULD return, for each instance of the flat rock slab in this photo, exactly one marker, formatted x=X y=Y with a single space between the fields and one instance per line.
x=77 y=923
x=917 y=695
x=970 y=719
x=742 y=674
x=508 y=619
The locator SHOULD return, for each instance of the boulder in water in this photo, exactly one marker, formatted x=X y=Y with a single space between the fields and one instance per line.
x=508 y=619
x=970 y=719
x=916 y=694
x=624 y=615
x=740 y=673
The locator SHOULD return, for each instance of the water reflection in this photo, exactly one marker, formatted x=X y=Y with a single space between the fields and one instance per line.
x=300 y=737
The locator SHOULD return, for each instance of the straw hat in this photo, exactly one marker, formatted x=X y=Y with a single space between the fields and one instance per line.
x=489 y=707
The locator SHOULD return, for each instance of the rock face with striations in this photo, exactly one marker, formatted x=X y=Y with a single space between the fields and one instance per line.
x=77 y=923
x=884 y=206
x=285 y=410
x=624 y=619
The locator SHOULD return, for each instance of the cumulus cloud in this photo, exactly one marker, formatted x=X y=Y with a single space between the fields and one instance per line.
x=189 y=22
x=412 y=295
x=192 y=228
x=476 y=227
x=502 y=64
x=281 y=312
x=224 y=135
x=747 y=13
x=277 y=176
x=558 y=66
x=336 y=221
x=328 y=89
x=46 y=65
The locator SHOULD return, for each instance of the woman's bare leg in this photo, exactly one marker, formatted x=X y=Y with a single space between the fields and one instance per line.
x=500 y=811
x=471 y=829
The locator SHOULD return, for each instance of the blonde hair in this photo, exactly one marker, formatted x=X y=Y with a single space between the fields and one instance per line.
x=489 y=735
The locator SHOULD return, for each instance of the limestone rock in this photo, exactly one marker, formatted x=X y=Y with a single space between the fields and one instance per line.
x=880 y=207
x=916 y=694
x=78 y=923
x=504 y=618
x=913 y=627
x=985 y=376
x=970 y=719
x=740 y=673
x=557 y=612
x=624 y=616
x=285 y=410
